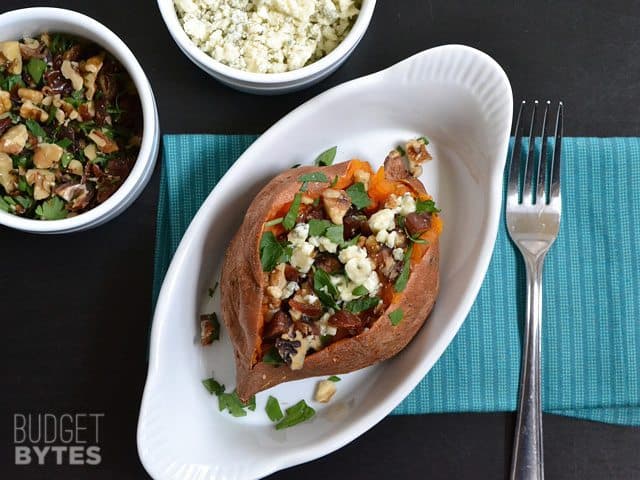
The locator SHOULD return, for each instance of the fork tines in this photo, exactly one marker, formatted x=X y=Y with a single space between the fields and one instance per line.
x=532 y=176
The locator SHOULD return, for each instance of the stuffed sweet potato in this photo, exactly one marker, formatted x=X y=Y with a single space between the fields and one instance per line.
x=333 y=269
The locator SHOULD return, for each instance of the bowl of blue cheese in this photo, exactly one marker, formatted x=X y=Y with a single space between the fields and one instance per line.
x=267 y=46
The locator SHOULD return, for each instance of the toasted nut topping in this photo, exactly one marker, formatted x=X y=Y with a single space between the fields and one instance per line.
x=417 y=154
x=90 y=151
x=75 y=167
x=8 y=179
x=94 y=64
x=5 y=101
x=14 y=140
x=104 y=143
x=42 y=180
x=11 y=57
x=70 y=73
x=325 y=391
x=60 y=115
x=363 y=177
x=306 y=200
x=90 y=85
x=336 y=204
x=30 y=111
x=47 y=155
x=29 y=94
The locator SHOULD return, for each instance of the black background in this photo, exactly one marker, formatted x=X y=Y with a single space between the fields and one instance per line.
x=75 y=309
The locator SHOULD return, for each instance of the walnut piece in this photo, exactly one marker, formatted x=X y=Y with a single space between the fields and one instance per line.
x=104 y=143
x=336 y=203
x=47 y=155
x=30 y=94
x=8 y=179
x=90 y=151
x=5 y=102
x=417 y=154
x=70 y=73
x=14 y=140
x=30 y=111
x=75 y=167
x=363 y=177
x=325 y=390
x=42 y=180
x=11 y=57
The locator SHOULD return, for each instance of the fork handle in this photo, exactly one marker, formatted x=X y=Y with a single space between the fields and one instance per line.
x=527 y=462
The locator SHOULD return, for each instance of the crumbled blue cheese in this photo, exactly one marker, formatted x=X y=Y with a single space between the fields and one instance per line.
x=302 y=257
x=403 y=205
x=267 y=36
x=299 y=234
x=387 y=238
x=289 y=289
x=323 y=244
x=352 y=251
x=359 y=269
x=382 y=220
x=323 y=323
x=398 y=254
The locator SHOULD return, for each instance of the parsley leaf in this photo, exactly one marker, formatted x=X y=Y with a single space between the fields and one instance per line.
x=400 y=150
x=11 y=81
x=324 y=289
x=403 y=278
x=396 y=317
x=335 y=233
x=232 y=403
x=423 y=206
x=4 y=205
x=349 y=243
x=313 y=177
x=318 y=227
x=358 y=195
x=326 y=158
x=290 y=218
x=273 y=409
x=334 y=379
x=270 y=251
x=298 y=413
x=52 y=209
x=362 y=304
x=65 y=159
x=272 y=357
x=76 y=99
x=359 y=291
x=424 y=140
x=35 y=128
x=212 y=386
x=36 y=68
x=64 y=143
x=273 y=222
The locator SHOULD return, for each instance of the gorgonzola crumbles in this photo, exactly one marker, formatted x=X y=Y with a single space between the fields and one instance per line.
x=267 y=36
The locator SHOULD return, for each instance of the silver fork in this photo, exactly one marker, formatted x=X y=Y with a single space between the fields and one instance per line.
x=533 y=220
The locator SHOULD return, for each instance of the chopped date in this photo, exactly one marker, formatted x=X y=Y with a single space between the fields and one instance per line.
x=417 y=223
x=346 y=320
x=291 y=274
x=309 y=212
x=355 y=224
x=395 y=167
x=277 y=326
x=5 y=124
x=311 y=310
x=328 y=262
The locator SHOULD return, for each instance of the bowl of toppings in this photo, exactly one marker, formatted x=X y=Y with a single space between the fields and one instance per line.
x=267 y=46
x=79 y=131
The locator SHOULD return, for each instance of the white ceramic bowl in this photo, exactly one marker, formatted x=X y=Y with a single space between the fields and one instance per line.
x=268 y=83
x=461 y=100
x=32 y=21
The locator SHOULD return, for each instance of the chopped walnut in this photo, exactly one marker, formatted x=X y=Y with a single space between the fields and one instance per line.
x=11 y=57
x=417 y=154
x=30 y=94
x=90 y=151
x=363 y=177
x=8 y=179
x=69 y=72
x=104 y=143
x=14 y=140
x=77 y=195
x=209 y=329
x=30 y=111
x=336 y=204
x=75 y=167
x=47 y=155
x=43 y=181
x=5 y=101
x=325 y=391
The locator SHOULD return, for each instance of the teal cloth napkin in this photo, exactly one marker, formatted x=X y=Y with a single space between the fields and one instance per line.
x=591 y=318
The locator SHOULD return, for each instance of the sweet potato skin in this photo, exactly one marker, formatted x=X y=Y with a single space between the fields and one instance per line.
x=242 y=294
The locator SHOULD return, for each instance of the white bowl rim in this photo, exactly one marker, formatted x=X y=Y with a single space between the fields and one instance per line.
x=106 y=38
x=170 y=16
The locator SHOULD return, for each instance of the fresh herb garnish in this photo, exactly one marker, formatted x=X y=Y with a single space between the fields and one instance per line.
x=298 y=413
x=326 y=158
x=59 y=43
x=324 y=289
x=271 y=251
x=290 y=218
x=359 y=291
x=4 y=205
x=358 y=195
x=24 y=201
x=11 y=81
x=273 y=222
x=36 y=68
x=35 y=128
x=362 y=304
x=400 y=150
x=349 y=243
x=52 y=209
x=424 y=140
x=272 y=357
x=318 y=227
x=273 y=409
x=429 y=206
x=212 y=386
x=64 y=143
x=251 y=404
x=335 y=233
x=416 y=239
x=313 y=177
x=396 y=316
x=403 y=278
x=334 y=379
x=232 y=403
x=76 y=99
x=334 y=182
x=65 y=159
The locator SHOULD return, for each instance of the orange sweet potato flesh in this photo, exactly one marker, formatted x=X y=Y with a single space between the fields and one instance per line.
x=242 y=288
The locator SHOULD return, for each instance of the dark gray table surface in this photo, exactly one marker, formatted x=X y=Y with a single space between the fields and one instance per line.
x=75 y=309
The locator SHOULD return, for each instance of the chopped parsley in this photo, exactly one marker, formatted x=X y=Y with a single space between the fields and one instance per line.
x=358 y=195
x=231 y=402
x=272 y=357
x=273 y=222
x=35 y=128
x=36 y=68
x=313 y=177
x=326 y=158
x=429 y=206
x=334 y=379
x=335 y=233
x=298 y=413
x=424 y=140
x=400 y=150
x=52 y=209
x=362 y=304
x=396 y=316
x=290 y=218
x=271 y=251
x=324 y=289
x=318 y=227
x=274 y=412
x=213 y=386
x=359 y=291
x=403 y=278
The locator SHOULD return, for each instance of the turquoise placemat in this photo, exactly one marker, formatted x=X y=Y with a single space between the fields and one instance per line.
x=591 y=322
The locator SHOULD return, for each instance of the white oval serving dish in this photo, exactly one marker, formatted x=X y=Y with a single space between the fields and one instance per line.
x=458 y=97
